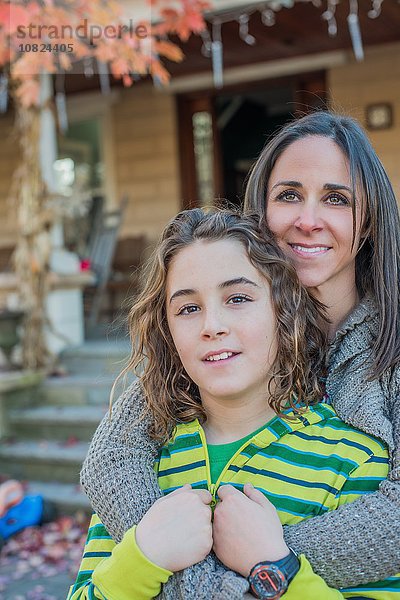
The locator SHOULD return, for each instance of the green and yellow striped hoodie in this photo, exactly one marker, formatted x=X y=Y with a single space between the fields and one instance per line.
x=305 y=467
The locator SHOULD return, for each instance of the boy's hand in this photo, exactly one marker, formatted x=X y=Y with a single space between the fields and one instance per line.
x=176 y=532
x=246 y=529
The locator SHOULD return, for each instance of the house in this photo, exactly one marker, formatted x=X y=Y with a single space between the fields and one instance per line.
x=186 y=145
x=194 y=141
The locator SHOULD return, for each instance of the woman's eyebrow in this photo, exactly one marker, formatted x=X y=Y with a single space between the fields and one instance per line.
x=288 y=182
x=326 y=186
x=337 y=186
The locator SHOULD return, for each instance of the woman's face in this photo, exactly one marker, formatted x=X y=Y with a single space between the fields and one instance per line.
x=309 y=209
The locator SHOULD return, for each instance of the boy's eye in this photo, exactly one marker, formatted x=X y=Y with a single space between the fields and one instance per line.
x=239 y=299
x=188 y=309
x=288 y=196
x=337 y=200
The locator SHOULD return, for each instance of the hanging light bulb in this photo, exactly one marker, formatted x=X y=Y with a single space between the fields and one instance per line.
x=355 y=32
x=207 y=43
x=330 y=18
x=244 y=30
x=88 y=67
x=61 y=102
x=376 y=9
x=268 y=17
x=104 y=77
x=217 y=55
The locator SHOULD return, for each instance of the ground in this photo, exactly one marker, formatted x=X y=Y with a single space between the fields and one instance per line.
x=40 y=563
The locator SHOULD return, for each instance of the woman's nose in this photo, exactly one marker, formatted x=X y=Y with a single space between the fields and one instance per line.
x=309 y=219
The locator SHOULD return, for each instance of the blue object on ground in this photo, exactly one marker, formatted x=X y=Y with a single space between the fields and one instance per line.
x=25 y=514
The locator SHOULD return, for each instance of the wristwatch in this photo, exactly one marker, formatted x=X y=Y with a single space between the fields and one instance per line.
x=269 y=580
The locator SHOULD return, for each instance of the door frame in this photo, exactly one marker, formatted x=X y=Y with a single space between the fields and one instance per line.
x=309 y=93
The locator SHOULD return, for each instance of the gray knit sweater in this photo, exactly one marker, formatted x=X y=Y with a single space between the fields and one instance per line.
x=355 y=544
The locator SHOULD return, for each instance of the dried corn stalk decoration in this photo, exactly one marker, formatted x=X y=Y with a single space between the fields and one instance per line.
x=33 y=246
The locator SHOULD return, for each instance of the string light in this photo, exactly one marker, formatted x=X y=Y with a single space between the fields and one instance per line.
x=213 y=45
x=376 y=9
x=244 y=30
x=355 y=31
x=329 y=17
x=217 y=55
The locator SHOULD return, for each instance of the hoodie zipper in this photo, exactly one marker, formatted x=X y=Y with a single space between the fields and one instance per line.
x=213 y=487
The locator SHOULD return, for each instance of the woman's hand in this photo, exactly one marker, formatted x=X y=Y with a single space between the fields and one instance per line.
x=246 y=529
x=176 y=532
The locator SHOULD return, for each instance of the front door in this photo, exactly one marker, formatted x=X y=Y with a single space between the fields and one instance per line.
x=222 y=132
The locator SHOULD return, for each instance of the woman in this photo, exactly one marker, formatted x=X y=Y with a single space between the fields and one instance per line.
x=331 y=205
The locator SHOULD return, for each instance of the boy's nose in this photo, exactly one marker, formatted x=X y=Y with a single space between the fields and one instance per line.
x=214 y=327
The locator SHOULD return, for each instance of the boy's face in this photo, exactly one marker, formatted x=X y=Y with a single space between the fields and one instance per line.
x=221 y=320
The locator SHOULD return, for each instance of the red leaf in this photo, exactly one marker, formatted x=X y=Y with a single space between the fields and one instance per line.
x=169 y=50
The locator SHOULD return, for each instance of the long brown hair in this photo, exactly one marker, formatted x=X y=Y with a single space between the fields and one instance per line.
x=378 y=258
x=170 y=395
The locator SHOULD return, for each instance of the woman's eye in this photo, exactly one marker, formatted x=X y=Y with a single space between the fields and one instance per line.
x=338 y=200
x=288 y=196
x=239 y=299
x=188 y=310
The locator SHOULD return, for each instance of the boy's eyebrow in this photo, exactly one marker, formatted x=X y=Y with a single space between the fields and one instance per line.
x=224 y=284
x=237 y=281
x=186 y=292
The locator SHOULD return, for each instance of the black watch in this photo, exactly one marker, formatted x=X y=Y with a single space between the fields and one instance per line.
x=269 y=580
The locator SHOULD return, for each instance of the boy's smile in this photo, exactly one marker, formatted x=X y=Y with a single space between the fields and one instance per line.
x=220 y=355
x=222 y=323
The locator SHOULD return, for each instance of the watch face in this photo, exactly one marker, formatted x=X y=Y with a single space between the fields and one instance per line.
x=268 y=582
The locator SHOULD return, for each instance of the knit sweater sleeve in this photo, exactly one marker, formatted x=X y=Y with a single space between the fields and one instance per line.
x=119 y=480
x=358 y=542
x=118 y=475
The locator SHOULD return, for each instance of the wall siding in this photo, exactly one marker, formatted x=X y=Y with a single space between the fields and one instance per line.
x=146 y=159
x=375 y=80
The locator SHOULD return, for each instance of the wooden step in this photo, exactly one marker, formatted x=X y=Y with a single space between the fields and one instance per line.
x=67 y=498
x=56 y=422
x=43 y=461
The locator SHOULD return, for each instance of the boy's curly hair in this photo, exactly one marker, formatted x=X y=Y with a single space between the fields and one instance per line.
x=170 y=395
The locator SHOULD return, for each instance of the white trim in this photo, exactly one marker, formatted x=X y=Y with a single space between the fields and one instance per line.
x=260 y=71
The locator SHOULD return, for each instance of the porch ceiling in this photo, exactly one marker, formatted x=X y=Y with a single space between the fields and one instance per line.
x=298 y=31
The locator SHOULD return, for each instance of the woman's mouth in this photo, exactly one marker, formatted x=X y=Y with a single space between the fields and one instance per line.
x=309 y=251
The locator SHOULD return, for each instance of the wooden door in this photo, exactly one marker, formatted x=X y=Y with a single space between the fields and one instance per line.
x=200 y=161
x=204 y=178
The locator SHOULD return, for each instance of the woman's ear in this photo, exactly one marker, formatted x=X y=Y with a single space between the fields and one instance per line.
x=365 y=231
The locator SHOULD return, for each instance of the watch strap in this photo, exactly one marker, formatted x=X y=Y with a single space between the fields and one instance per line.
x=290 y=565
